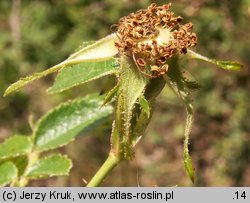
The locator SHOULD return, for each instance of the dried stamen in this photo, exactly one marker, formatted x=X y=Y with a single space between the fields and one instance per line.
x=152 y=36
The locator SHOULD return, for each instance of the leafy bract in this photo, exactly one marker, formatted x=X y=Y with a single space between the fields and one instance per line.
x=176 y=81
x=186 y=156
x=8 y=172
x=228 y=65
x=141 y=123
x=132 y=85
x=54 y=165
x=15 y=146
x=192 y=85
x=82 y=73
x=85 y=44
x=144 y=105
x=102 y=50
x=111 y=94
x=63 y=123
x=147 y=101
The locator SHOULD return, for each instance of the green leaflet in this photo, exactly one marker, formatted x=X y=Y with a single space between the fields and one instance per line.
x=102 y=50
x=177 y=83
x=228 y=65
x=15 y=146
x=62 y=124
x=82 y=73
x=8 y=172
x=54 y=165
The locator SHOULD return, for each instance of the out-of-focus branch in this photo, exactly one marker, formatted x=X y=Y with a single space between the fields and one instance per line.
x=15 y=20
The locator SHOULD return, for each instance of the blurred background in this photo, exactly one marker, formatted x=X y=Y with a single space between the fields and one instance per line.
x=35 y=35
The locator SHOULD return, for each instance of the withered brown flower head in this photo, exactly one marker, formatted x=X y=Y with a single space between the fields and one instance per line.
x=153 y=35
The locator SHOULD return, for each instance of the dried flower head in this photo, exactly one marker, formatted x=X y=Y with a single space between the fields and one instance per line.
x=153 y=35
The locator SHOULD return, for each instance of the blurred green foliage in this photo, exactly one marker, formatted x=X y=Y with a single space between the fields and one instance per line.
x=35 y=35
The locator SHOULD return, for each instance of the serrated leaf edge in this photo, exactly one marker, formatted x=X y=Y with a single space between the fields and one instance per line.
x=17 y=154
x=16 y=172
x=57 y=108
x=48 y=176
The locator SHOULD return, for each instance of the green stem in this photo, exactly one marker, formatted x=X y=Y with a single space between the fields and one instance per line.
x=23 y=180
x=105 y=169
